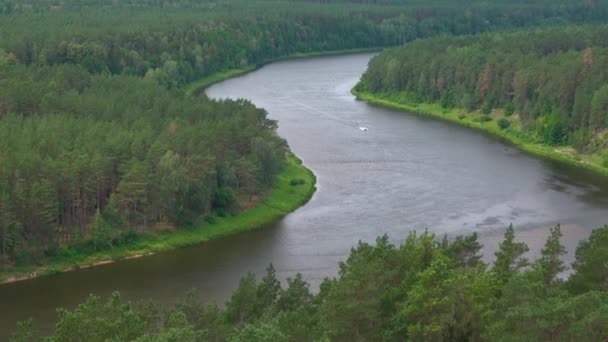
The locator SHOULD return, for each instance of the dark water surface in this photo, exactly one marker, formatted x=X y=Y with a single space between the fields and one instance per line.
x=406 y=172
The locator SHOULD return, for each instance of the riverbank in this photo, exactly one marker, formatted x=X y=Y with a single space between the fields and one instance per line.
x=293 y=187
x=205 y=82
x=513 y=134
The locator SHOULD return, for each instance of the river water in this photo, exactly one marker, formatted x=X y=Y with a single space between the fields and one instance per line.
x=404 y=173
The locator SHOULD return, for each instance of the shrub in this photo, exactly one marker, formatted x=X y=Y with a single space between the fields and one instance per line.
x=467 y=102
x=211 y=219
x=296 y=182
x=461 y=116
x=503 y=123
x=487 y=107
x=482 y=118
x=509 y=109
x=581 y=139
x=446 y=100
x=551 y=129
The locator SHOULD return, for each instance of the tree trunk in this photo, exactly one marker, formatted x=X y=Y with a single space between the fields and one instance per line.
x=4 y=238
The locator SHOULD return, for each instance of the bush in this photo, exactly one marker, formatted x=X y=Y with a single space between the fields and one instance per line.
x=461 y=116
x=224 y=198
x=487 y=108
x=296 y=182
x=551 y=129
x=468 y=102
x=509 y=109
x=126 y=238
x=503 y=123
x=581 y=139
x=482 y=118
x=446 y=100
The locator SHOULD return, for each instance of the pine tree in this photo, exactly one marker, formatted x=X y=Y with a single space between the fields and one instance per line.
x=132 y=194
x=268 y=290
x=6 y=221
x=509 y=257
x=599 y=109
x=550 y=264
x=590 y=266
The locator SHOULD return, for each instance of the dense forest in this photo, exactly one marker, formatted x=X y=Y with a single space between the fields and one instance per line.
x=178 y=42
x=80 y=160
x=427 y=289
x=99 y=142
x=551 y=82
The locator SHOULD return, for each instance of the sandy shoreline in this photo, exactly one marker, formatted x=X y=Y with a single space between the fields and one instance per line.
x=38 y=273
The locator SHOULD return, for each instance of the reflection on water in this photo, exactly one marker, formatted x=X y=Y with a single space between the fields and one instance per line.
x=405 y=172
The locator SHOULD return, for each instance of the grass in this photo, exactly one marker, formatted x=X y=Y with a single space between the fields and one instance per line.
x=513 y=134
x=285 y=197
x=199 y=85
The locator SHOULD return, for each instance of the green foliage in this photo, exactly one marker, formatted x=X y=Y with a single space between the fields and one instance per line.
x=260 y=332
x=102 y=233
x=509 y=257
x=503 y=123
x=354 y=306
x=92 y=166
x=581 y=139
x=590 y=268
x=23 y=332
x=268 y=290
x=296 y=182
x=551 y=129
x=446 y=100
x=194 y=40
x=94 y=320
x=550 y=264
x=73 y=71
x=427 y=309
x=554 y=77
x=599 y=108
x=424 y=290
x=482 y=118
x=509 y=109
x=530 y=311
x=487 y=108
x=241 y=309
x=464 y=250
x=297 y=295
x=171 y=160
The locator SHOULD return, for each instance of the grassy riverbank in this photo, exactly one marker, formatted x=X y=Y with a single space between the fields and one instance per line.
x=513 y=134
x=205 y=82
x=285 y=197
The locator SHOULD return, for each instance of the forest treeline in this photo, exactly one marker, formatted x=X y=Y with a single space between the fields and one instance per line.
x=427 y=289
x=180 y=41
x=555 y=80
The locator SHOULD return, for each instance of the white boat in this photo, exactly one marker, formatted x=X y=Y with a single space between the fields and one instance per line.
x=362 y=128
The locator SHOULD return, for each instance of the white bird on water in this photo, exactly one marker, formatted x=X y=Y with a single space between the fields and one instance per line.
x=362 y=128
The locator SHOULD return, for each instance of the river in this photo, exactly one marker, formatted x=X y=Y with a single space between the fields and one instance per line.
x=405 y=172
